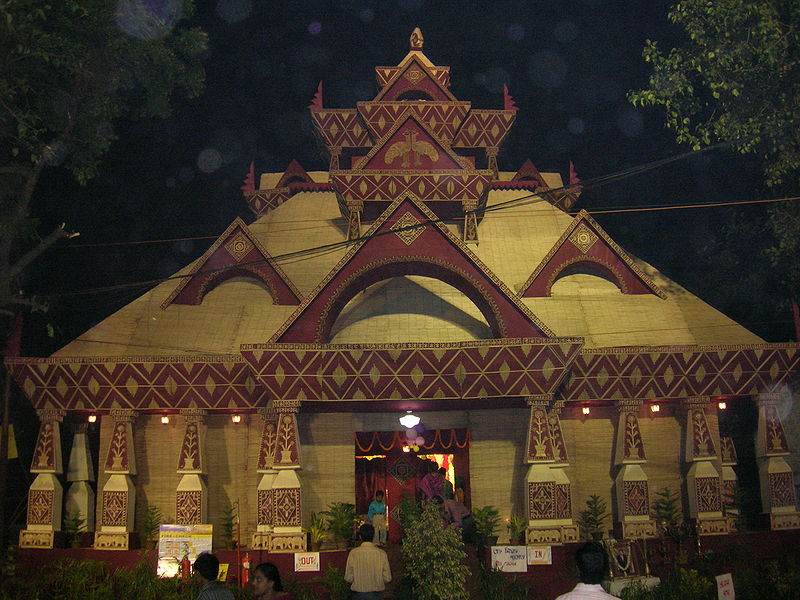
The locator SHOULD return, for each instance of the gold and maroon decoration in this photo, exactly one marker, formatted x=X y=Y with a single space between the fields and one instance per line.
x=730 y=482
x=265 y=500
x=191 y=495
x=118 y=496
x=45 y=496
x=703 y=481
x=775 y=475
x=632 y=487
x=549 y=502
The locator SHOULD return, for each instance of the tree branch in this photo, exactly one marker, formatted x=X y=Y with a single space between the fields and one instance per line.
x=59 y=233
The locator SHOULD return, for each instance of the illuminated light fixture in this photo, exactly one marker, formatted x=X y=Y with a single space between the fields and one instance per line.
x=654 y=408
x=92 y=418
x=409 y=420
x=406 y=449
x=236 y=418
x=165 y=419
x=585 y=410
x=722 y=405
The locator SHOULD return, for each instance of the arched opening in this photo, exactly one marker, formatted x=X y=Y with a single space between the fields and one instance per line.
x=415 y=95
x=429 y=268
x=591 y=268
x=253 y=281
x=395 y=310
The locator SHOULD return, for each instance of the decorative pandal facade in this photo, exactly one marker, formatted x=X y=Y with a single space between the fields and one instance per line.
x=431 y=288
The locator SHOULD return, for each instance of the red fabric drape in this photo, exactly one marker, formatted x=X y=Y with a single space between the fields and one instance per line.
x=370 y=477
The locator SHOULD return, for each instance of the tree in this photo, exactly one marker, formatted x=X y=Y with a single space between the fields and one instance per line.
x=736 y=78
x=70 y=70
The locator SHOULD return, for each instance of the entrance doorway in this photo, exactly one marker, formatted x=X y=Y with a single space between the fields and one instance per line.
x=384 y=462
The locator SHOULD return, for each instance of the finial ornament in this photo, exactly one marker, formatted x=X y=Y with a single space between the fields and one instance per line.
x=416 y=40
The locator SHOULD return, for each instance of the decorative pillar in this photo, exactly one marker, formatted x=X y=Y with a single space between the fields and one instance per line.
x=470 y=231
x=191 y=495
x=703 y=480
x=631 y=483
x=335 y=151
x=491 y=155
x=354 y=208
x=118 y=497
x=279 y=496
x=266 y=466
x=730 y=482
x=775 y=475
x=45 y=494
x=80 y=498
x=549 y=494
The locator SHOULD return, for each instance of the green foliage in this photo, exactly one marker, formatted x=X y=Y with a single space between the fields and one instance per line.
x=409 y=511
x=668 y=514
x=592 y=520
x=680 y=585
x=341 y=517
x=776 y=580
x=227 y=523
x=334 y=584
x=318 y=528
x=434 y=558
x=94 y=580
x=487 y=522
x=74 y=526
x=69 y=69
x=736 y=78
x=151 y=522
x=494 y=585
x=517 y=525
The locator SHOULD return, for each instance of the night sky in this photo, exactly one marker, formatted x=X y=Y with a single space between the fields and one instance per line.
x=568 y=66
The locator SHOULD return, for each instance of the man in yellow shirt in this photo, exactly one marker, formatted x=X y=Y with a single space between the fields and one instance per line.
x=367 y=568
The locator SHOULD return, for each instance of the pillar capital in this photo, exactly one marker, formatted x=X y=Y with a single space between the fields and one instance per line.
x=286 y=406
x=543 y=400
x=193 y=415
x=122 y=415
x=51 y=415
x=626 y=405
x=695 y=402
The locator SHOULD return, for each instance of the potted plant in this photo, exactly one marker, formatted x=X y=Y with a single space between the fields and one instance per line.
x=341 y=520
x=317 y=531
x=592 y=520
x=517 y=526
x=228 y=526
x=150 y=524
x=487 y=521
x=74 y=526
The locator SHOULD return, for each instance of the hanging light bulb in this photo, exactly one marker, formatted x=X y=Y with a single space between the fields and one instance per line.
x=409 y=420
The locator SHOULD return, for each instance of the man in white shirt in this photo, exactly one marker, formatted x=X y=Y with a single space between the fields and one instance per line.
x=367 y=568
x=592 y=562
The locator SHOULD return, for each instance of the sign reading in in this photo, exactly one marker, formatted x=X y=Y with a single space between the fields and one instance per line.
x=540 y=555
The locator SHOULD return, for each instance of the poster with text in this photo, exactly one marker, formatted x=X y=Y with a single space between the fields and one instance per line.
x=540 y=555
x=511 y=559
x=177 y=541
x=306 y=561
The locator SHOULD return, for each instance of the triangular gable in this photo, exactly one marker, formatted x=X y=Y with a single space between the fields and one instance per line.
x=407 y=240
x=414 y=76
x=235 y=253
x=529 y=172
x=412 y=145
x=294 y=173
x=585 y=247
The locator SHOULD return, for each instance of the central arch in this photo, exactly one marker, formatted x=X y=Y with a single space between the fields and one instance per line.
x=403 y=266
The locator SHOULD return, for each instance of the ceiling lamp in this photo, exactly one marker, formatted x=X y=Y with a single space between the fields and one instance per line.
x=409 y=420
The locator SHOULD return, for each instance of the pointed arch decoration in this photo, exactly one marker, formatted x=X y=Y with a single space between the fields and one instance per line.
x=236 y=253
x=586 y=248
x=438 y=441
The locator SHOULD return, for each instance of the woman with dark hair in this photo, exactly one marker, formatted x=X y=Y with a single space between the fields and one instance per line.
x=266 y=582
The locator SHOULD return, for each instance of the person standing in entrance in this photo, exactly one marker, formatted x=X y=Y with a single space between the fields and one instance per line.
x=367 y=570
x=377 y=516
x=592 y=562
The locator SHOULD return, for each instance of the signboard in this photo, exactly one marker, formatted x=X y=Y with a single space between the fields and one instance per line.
x=306 y=561
x=223 y=572
x=177 y=541
x=725 y=589
x=511 y=559
x=540 y=555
